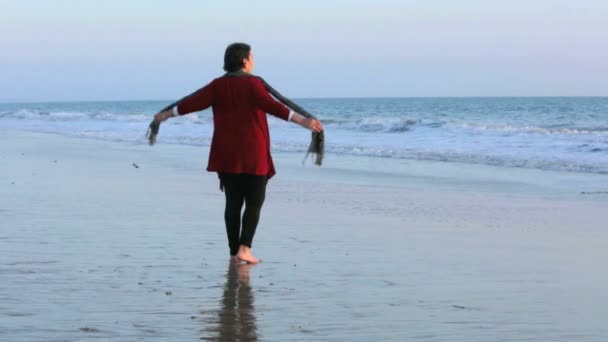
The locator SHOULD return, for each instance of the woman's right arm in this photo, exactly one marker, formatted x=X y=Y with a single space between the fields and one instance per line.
x=311 y=124
x=273 y=107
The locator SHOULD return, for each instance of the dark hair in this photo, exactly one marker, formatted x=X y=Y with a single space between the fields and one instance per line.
x=233 y=58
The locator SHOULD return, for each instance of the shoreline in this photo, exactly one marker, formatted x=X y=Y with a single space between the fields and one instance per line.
x=447 y=175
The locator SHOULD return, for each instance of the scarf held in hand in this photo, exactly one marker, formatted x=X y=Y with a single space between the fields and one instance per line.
x=317 y=143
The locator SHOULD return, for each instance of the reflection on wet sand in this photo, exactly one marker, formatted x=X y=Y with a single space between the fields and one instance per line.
x=235 y=319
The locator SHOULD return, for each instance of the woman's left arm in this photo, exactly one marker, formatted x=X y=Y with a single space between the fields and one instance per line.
x=197 y=101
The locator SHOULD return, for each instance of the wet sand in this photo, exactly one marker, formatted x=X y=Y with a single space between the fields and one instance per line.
x=123 y=242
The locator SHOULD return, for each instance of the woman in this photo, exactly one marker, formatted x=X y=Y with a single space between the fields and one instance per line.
x=240 y=147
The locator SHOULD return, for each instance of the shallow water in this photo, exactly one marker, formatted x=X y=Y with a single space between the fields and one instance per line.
x=379 y=283
x=87 y=252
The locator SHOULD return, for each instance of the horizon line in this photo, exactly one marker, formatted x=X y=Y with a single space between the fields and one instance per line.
x=320 y=98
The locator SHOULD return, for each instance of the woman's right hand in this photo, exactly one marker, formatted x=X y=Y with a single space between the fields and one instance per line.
x=313 y=125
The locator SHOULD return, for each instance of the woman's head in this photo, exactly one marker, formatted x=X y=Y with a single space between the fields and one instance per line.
x=238 y=56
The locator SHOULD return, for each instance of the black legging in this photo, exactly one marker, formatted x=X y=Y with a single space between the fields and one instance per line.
x=240 y=188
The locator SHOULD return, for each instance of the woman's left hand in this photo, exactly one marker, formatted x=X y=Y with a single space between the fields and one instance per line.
x=162 y=116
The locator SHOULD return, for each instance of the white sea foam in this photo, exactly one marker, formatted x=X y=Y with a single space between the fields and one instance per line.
x=516 y=133
x=538 y=130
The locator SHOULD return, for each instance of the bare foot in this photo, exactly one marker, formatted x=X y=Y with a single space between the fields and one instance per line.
x=245 y=255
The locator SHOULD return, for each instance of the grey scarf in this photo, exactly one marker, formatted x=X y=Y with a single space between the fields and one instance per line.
x=317 y=144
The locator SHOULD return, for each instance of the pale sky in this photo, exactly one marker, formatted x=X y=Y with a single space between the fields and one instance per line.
x=69 y=50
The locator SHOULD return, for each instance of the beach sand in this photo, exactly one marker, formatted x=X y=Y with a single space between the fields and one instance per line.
x=117 y=241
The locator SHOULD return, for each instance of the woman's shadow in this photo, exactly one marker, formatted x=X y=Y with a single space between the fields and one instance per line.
x=236 y=316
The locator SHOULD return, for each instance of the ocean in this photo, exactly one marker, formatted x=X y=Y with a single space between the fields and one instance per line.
x=554 y=133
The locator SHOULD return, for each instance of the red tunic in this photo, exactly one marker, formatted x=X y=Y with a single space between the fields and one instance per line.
x=241 y=141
